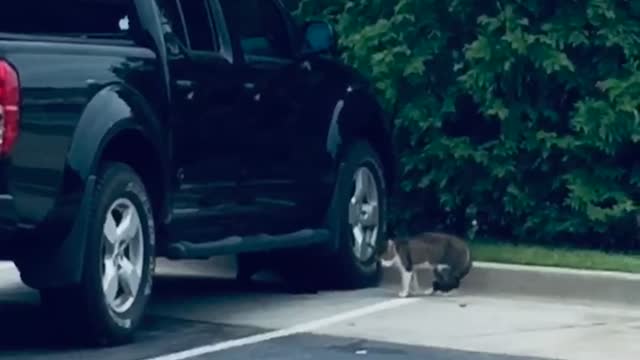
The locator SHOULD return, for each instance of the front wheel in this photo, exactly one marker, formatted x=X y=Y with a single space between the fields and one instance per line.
x=358 y=217
x=108 y=305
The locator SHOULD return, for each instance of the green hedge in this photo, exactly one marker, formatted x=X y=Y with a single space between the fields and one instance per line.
x=520 y=114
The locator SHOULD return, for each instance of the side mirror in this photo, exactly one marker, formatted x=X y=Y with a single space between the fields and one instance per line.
x=318 y=37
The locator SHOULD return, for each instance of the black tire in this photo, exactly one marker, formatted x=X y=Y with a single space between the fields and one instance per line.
x=347 y=271
x=83 y=309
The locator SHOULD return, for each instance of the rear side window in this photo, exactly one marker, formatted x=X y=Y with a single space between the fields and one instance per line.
x=197 y=18
x=190 y=21
x=76 y=18
x=260 y=26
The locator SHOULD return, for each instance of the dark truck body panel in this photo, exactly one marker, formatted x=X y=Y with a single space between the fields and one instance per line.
x=60 y=83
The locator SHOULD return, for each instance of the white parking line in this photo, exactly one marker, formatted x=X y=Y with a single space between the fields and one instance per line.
x=297 y=329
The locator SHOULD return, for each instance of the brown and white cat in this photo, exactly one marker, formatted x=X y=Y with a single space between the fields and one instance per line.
x=448 y=256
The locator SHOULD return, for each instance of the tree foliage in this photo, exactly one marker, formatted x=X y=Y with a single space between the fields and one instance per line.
x=522 y=114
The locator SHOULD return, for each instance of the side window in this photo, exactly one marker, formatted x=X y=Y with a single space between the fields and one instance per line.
x=260 y=27
x=172 y=26
x=200 y=29
x=190 y=22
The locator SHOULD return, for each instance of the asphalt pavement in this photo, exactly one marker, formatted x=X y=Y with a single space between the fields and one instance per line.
x=199 y=312
x=308 y=346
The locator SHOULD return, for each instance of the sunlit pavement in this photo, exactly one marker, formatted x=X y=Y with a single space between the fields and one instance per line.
x=198 y=312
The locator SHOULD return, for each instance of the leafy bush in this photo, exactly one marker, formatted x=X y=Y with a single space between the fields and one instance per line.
x=522 y=114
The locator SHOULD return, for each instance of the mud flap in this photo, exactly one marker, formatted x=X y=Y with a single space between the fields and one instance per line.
x=60 y=266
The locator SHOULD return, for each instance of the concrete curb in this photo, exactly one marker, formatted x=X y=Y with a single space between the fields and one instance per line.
x=487 y=278
x=539 y=281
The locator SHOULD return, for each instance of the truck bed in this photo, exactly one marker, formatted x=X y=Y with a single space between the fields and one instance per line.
x=59 y=77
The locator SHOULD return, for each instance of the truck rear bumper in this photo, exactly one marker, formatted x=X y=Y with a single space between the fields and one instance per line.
x=7 y=226
x=7 y=211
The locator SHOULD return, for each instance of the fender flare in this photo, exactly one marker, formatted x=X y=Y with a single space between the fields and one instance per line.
x=113 y=109
x=358 y=115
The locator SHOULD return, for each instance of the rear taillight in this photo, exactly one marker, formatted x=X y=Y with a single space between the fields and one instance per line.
x=9 y=108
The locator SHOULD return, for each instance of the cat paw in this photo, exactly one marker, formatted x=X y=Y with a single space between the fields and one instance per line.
x=403 y=294
x=429 y=292
x=451 y=293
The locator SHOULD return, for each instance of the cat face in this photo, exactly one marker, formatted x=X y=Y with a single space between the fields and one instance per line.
x=390 y=251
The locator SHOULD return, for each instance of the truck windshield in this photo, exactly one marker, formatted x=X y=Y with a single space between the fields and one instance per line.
x=76 y=18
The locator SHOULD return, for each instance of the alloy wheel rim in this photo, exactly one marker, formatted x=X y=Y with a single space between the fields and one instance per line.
x=364 y=215
x=123 y=255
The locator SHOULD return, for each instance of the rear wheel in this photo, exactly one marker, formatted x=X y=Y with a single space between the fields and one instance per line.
x=358 y=217
x=119 y=260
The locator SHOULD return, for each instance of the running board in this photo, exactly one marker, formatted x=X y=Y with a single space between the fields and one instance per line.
x=243 y=244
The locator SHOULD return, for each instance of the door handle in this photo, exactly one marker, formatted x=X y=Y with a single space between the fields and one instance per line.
x=185 y=84
x=305 y=65
x=251 y=89
x=186 y=87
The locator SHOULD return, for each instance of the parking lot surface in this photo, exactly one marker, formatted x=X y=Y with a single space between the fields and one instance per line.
x=199 y=312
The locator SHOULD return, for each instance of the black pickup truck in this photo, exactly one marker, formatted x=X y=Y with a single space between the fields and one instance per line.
x=185 y=129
